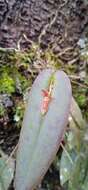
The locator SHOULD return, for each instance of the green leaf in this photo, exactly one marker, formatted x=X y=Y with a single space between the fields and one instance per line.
x=6 y=172
x=77 y=115
x=79 y=174
x=74 y=165
x=67 y=160
x=41 y=134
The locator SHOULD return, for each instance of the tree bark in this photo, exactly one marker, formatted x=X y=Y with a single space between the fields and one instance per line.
x=53 y=23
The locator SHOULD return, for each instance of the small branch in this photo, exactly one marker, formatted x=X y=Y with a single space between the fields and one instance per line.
x=65 y=50
x=67 y=154
x=8 y=49
x=12 y=153
x=7 y=161
x=79 y=84
x=49 y=25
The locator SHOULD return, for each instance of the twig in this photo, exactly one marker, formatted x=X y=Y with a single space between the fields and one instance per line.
x=12 y=153
x=78 y=83
x=49 y=25
x=75 y=77
x=7 y=161
x=2 y=153
x=43 y=32
x=73 y=60
x=27 y=39
x=67 y=154
x=8 y=49
x=65 y=50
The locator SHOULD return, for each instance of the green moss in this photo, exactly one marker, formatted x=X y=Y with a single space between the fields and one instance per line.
x=18 y=113
x=24 y=83
x=80 y=94
x=7 y=84
x=53 y=60
x=2 y=110
x=81 y=99
x=17 y=71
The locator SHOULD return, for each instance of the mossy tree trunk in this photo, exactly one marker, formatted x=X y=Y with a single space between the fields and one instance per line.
x=46 y=21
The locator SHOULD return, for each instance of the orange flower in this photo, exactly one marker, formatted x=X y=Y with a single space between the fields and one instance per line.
x=46 y=101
